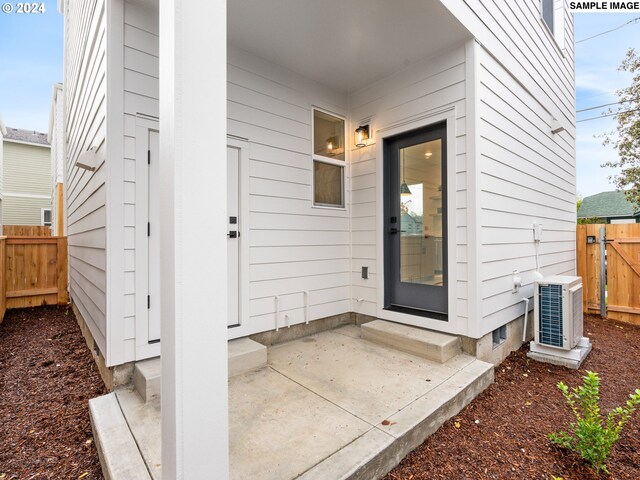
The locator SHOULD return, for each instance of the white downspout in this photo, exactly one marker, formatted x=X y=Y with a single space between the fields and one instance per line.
x=526 y=316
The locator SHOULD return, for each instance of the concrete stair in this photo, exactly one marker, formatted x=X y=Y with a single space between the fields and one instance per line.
x=245 y=355
x=146 y=378
x=435 y=346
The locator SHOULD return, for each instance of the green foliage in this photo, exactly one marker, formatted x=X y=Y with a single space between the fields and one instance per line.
x=627 y=138
x=593 y=436
x=590 y=220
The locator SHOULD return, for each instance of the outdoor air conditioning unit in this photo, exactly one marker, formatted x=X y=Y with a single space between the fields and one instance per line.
x=558 y=312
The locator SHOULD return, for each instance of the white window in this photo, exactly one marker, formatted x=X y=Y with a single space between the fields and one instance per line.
x=552 y=14
x=329 y=152
x=547 y=13
x=45 y=217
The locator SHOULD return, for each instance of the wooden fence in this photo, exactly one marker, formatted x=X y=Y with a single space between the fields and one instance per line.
x=621 y=266
x=34 y=271
x=26 y=231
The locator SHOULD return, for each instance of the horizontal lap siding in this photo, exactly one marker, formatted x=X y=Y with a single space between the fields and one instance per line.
x=84 y=113
x=527 y=176
x=141 y=96
x=433 y=84
x=293 y=247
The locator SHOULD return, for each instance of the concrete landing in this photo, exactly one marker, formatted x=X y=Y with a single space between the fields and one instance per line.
x=428 y=344
x=328 y=406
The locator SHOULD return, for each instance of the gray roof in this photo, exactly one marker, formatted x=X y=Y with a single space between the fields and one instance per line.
x=29 y=136
x=606 y=204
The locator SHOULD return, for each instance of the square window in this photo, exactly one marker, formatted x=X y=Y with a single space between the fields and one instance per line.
x=328 y=135
x=328 y=180
x=46 y=217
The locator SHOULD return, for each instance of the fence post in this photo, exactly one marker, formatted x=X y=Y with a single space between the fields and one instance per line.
x=3 y=278
x=603 y=272
x=63 y=295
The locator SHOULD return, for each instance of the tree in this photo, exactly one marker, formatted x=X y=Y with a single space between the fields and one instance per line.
x=627 y=140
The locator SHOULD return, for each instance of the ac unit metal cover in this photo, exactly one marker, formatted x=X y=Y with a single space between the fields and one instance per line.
x=558 y=311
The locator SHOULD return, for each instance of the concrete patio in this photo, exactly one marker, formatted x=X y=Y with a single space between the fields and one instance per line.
x=328 y=406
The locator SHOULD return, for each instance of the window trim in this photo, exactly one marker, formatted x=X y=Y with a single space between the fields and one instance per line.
x=558 y=39
x=328 y=160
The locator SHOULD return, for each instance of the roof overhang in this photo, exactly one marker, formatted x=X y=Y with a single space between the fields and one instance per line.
x=343 y=45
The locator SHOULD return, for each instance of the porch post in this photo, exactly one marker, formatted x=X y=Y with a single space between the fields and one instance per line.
x=193 y=239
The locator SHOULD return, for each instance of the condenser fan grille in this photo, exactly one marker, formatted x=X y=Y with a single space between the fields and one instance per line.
x=551 y=315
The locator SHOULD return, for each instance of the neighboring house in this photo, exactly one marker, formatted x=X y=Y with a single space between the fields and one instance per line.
x=26 y=165
x=609 y=207
x=55 y=138
x=471 y=106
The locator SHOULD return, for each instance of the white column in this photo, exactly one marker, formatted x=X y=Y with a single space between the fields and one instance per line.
x=193 y=239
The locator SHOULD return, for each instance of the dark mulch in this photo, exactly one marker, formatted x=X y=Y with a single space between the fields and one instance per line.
x=502 y=434
x=47 y=376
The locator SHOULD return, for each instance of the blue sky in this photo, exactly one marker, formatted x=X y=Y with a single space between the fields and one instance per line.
x=31 y=60
x=597 y=79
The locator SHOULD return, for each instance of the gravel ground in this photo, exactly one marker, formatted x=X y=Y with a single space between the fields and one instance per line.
x=47 y=376
x=502 y=434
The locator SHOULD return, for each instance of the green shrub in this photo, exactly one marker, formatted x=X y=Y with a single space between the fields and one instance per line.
x=593 y=436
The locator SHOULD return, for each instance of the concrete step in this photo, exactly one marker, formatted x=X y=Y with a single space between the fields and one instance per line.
x=117 y=449
x=146 y=378
x=246 y=355
x=428 y=344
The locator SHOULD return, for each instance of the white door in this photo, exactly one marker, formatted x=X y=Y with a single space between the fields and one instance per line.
x=153 y=237
x=233 y=235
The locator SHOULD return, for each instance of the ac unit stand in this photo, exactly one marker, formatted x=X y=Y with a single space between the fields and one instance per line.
x=566 y=358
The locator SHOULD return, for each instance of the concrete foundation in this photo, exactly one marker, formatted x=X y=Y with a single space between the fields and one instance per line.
x=566 y=358
x=113 y=377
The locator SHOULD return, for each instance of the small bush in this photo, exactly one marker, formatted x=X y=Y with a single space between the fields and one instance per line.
x=593 y=436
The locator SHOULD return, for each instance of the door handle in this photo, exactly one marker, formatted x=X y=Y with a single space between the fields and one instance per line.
x=393 y=231
x=233 y=234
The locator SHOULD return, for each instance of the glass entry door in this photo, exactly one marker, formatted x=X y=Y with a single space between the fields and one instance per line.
x=416 y=221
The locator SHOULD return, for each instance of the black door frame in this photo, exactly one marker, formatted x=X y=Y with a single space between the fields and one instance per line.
x=416 y=299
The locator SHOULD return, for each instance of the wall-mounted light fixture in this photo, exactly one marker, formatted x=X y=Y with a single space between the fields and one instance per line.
x=361 y=136
x=88 y=160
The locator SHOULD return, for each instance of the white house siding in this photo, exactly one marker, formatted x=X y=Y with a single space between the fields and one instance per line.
x=434 y=84
x=293 y=247
x=524 y=173
x=140 y=97
x=85 y=115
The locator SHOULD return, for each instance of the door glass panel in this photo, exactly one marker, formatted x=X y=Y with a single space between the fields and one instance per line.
x=421 y=247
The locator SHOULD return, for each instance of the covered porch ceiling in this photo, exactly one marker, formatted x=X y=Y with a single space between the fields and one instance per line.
x=342 y=44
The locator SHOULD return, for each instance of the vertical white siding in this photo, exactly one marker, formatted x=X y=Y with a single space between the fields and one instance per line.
x=524 y=174
x=140 y=97
x=430 y=85
x=293 y=246
x=85 y=114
